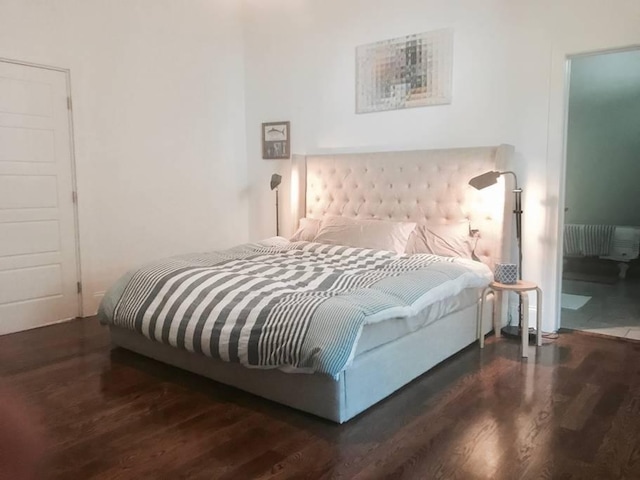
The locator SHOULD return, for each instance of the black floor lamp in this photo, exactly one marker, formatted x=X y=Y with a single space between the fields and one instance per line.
x=275 y=183
x=486 y=180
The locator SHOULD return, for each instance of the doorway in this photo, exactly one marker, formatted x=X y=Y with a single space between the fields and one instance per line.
x=601 y=265
x=39 y=277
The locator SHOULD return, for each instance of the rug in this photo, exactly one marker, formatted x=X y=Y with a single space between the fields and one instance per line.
x=573 y=302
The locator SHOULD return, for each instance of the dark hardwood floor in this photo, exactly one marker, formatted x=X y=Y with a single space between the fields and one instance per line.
x=571 y=411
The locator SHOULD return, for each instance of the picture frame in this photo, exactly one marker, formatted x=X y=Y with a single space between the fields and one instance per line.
x=405 y=72
x=276 y=140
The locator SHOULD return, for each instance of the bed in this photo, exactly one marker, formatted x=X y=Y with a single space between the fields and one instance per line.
x=382 y=355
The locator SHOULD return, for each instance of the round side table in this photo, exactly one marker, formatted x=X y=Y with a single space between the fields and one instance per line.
x=522 y=288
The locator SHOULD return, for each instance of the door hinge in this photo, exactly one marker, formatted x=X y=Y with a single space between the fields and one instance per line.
x=79 y=287
x=74 y=196
x=69 y=104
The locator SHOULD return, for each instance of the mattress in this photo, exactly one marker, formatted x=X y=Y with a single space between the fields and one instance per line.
x=377 y=334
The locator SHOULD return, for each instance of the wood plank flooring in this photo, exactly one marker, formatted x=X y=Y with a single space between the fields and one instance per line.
x=571 y=411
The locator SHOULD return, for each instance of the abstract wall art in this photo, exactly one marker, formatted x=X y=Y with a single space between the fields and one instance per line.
x=405 y=72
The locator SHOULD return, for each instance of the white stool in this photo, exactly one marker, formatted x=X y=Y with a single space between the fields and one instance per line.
x=522 y=288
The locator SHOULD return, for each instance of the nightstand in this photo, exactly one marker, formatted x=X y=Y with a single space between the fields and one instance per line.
x=522 y=288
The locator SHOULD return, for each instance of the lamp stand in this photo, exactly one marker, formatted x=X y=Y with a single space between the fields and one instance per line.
x=513 y=331
x=486 y=180
x=518 y=213
x=277 y=215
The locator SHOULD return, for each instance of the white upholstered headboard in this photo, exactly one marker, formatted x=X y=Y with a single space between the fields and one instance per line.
x=429 y=186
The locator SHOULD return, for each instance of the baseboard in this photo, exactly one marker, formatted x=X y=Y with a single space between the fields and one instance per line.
x=91 y=303
x=8 y=330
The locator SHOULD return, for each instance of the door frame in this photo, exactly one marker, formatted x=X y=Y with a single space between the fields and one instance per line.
x=74 y=182
x=562 y=177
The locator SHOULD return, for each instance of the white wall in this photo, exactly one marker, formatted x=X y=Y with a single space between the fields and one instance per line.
x=160 y=89
x=159 y=120
x=603 y=140
x=509 y=61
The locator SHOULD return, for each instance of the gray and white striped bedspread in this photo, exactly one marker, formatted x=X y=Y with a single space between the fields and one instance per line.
x=278 y=304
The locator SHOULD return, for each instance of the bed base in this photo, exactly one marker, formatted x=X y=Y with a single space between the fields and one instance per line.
x=371 y=377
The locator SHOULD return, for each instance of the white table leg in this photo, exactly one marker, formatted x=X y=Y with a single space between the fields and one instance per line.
x=497 y=321
x=479 y=320
x=539 y=316
x=483 y=300
x=525 y=323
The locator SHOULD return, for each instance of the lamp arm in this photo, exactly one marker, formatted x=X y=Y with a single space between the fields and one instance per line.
x=515 y=177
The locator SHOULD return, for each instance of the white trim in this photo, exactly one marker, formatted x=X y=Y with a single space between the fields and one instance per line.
x=34 y=65
x=591 y=53
x=34 y=327
x=72 y=165
x=93 y=303
x=557 y=291
x=74 y=184
x=561 y=154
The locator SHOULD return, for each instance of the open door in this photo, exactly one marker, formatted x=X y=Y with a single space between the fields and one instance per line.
x=38 y=241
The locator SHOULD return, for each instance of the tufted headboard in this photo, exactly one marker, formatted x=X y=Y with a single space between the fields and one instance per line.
x=427 y=186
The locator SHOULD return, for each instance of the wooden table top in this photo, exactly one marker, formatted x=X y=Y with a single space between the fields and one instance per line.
x=519 y=286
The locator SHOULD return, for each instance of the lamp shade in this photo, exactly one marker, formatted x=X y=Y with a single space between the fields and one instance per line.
x=275 y=180
x=485 y=180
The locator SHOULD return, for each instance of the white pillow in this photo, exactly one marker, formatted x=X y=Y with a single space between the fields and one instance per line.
x=375 y=234
x=307 y=230
x=447 y=240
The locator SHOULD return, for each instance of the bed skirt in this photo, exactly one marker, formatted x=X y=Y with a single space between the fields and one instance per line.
x=372 y=376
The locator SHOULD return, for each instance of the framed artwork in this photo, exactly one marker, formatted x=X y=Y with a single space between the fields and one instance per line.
x=405 y=72
x=276 y=140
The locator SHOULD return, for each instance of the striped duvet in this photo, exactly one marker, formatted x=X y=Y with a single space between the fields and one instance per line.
x=277 y=304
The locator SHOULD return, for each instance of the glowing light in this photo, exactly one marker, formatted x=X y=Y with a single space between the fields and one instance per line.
x=295 y=201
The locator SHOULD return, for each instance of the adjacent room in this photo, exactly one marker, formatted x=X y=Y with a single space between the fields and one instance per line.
x=601 y=269
x=277 y=239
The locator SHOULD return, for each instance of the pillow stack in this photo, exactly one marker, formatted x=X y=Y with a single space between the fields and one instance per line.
x=448 y=240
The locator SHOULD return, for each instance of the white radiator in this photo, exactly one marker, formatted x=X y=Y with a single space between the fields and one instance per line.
x=588 y=240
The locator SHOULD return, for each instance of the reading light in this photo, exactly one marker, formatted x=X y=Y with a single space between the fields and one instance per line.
x=276 y=180
x=485 y=180
x=491 y=178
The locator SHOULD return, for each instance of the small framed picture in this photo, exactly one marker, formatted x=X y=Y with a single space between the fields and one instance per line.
x=276 y=140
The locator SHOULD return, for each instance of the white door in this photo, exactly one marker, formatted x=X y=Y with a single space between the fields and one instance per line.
x=38 y=264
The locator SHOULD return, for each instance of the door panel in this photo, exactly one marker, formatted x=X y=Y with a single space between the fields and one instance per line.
x=28 y=191
x=38 y=264
x=14 y=262
x=25 y=238
x=30 y=283
x=26 y=145
x=21 y=96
